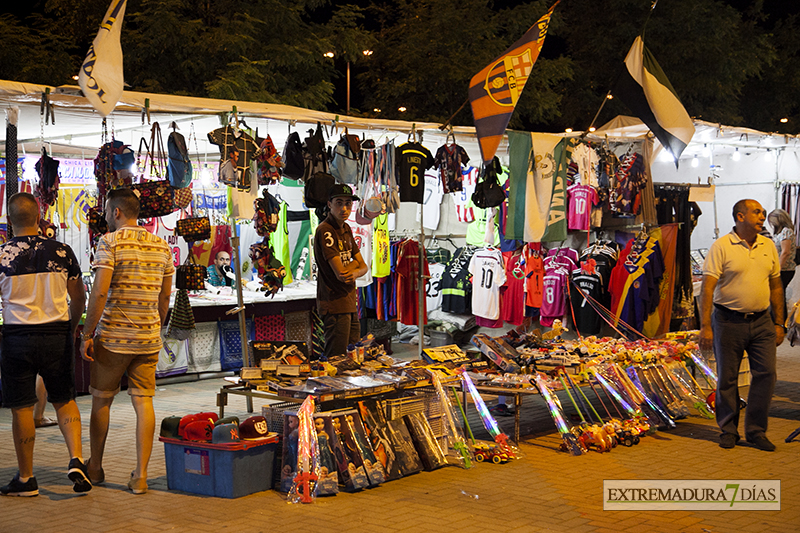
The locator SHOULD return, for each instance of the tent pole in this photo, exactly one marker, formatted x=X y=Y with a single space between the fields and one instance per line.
x=239 y=310
x=421 y=284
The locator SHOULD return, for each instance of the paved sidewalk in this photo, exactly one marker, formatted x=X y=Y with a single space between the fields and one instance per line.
x=547 y=490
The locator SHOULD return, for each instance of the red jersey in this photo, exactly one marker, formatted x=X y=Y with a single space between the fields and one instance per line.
x=408 y=283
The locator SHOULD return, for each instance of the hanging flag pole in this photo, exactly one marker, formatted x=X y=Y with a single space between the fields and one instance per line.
x=101 y=78
x=608 y=95
x=643 y=86
x=495 y=90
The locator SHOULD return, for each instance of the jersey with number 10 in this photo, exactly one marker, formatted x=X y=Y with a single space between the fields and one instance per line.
x=581 y=200
x=412 y=160
x=488 y=275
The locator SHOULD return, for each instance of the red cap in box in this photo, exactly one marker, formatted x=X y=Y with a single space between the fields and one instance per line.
x=253 y=428
x=188 y=419
x=199 y=430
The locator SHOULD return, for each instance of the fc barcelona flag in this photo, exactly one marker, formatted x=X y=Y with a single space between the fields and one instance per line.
x=495 y=90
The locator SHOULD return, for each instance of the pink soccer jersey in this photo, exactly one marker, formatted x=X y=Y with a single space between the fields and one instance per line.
x=554 y=291
x=581 y=200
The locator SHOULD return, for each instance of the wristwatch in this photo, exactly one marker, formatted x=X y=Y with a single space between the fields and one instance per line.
x=87 y=336
x=781 y=325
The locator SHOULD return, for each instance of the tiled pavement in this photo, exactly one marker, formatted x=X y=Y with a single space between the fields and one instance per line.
x=545 y=491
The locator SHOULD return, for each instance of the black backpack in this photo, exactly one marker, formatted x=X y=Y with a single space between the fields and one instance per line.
x=293 y=162
x=179 y=169
x=316 y=190
x=489 y=193
x=314 y=154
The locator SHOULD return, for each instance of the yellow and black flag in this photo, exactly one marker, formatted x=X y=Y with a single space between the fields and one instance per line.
x=645 y=89
x=495 y=90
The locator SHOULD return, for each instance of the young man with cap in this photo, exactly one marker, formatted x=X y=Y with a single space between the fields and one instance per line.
x=339 y=263
x=741 y=280
x=43 y=300
x=122 y=332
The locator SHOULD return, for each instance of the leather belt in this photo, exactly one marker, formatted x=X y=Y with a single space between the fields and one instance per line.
x=744 y=316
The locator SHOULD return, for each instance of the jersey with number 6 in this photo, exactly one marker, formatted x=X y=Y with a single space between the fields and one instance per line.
x=412 y=160
x=488 y=275
x=581 y=200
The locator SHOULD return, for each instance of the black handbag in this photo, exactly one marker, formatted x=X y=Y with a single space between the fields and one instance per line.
x=316 y=190
x=489 y=193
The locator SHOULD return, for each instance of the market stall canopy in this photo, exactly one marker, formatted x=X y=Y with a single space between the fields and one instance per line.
x=77 y=124
x=724 y=140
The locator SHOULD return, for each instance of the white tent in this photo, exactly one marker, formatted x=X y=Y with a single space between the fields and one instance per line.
x=739 y=162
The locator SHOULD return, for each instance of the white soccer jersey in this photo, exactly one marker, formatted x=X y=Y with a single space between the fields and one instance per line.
x=432 y=201
x=433 y=287
x=488 y=275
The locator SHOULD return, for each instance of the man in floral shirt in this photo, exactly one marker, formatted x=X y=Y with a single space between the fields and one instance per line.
x=39 y=323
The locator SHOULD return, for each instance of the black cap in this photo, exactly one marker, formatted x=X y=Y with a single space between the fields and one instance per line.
x=339 y=190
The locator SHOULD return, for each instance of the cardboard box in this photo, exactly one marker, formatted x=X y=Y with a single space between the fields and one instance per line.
x=221 y=470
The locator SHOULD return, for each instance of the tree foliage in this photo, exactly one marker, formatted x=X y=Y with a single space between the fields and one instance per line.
x=730 y=61
x=428 y=50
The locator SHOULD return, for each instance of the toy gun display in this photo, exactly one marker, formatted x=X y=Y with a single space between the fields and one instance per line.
x=570 y=442
x=661 y=413
x=637 y=423
x=678 y=373
x=708 y=373
x=304 y=486
x=455 y=438
x=488 y=420
x=590 y=435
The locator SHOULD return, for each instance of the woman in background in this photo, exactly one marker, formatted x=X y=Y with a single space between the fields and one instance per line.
x=784 y=238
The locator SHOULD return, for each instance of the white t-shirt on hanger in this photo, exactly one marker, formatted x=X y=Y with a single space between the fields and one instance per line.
x=431 y=201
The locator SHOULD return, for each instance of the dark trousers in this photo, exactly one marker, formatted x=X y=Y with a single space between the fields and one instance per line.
x=733 y=335
x=341 y=329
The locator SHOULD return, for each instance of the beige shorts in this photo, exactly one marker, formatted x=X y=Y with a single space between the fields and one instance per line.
x=108 y=367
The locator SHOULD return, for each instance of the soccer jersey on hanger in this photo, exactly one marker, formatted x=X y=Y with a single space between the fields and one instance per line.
x=412 y=160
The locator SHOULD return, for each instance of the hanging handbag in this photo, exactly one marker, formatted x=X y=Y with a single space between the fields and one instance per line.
x=190 y=275
x=194 y=229
x=489 y=193
x=179 y=169
x=97 y=221
x=156 y=198
x=182 y=197
x=316 y=190
x=344 y=162
x=181 y=317
x=391 y=196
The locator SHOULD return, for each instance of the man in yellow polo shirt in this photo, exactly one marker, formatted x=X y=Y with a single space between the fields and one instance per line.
x=741 y=279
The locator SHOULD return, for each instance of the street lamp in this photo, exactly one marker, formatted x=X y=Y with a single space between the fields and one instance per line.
x=366 y=53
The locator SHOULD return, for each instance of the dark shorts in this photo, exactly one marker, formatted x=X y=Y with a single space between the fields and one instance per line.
x=51 y=355
x=532 y=312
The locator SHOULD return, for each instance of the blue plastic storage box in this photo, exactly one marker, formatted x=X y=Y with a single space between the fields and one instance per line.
x=222 y=470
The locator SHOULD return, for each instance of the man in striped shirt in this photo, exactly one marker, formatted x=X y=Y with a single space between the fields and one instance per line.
x=122 y=332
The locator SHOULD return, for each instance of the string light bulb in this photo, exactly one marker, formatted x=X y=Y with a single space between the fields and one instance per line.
x=695 y=162
x=736 y=155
